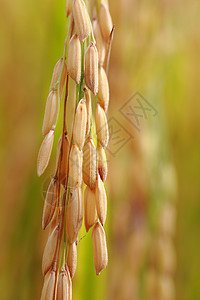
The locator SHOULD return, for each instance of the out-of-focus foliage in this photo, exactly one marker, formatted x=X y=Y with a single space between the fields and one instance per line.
x=156 y=51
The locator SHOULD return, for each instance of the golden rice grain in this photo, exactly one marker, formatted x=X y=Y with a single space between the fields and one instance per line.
x=50 y=251
x=72 y=259
x=105 y=21
x=101 y=200
x=56 y=74
x=99 y=248
x=49 y=286
x=64 y=286
x=45 y=284
x=51 y=111
x=89 y=163
x=102 y=163
x=99 y=42
x=91 y=68
x=74 y=58
x=50 y=203
x=90 y=213
x=74 y=214
x=45 y=152
x=80 y=123
x=103 y=91
x=81 y=19
x=75 y=167
x=101 y=126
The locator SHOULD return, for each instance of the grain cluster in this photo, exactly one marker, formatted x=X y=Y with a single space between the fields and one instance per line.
x=79 y=83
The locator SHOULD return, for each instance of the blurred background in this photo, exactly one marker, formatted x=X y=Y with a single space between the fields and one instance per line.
x=153 y=222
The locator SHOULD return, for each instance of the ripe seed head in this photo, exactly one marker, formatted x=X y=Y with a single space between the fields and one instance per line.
x=80 y=123
x=101 y=200
x=103 y=92
x=101 y=126
x=74 y=58
x=91 y=68
x=89 y=163
x=56 y=74
x=100 y=44
x=45 y=152
x=75 y=167
x=64 y=287
x=81 y=19
x=102 y=163
x=90 y=213
x=50 y=203
x=68 y=7
x=51 y=111
x=105 y=21
x=72 y=259
x=50 y=251
x=100 y=252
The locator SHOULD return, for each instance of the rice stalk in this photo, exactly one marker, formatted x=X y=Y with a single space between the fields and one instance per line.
x=75 y=78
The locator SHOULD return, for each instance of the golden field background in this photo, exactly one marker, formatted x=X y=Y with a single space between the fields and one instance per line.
x=156 y=52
